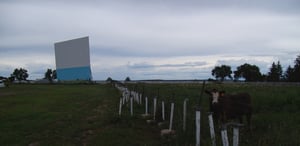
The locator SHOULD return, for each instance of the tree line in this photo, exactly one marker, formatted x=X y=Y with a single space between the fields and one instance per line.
x=248 y=72
x=21 y=74
x=251 y=73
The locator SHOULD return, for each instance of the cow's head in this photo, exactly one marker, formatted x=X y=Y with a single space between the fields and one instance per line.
x=215 y=95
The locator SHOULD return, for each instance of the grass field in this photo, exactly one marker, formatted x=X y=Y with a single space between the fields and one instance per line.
x=87 y=115
x=276 y=112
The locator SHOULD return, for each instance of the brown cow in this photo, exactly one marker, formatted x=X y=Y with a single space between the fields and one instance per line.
x=230 y=106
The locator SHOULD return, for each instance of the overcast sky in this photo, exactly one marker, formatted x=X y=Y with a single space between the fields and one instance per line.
x=156 y=39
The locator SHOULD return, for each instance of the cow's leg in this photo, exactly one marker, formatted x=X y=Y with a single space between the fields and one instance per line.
x=216 y=118
x=223 y=117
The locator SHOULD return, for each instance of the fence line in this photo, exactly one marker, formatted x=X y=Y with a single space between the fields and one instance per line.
x=133 y=96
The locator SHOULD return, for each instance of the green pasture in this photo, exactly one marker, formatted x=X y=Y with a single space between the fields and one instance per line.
x=275 y=120
x=78 y=114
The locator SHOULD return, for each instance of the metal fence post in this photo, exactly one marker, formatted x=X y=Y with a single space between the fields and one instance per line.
x=154 y=108
x=184 y=113
x=171 y=116
x=120 y=106
x=224 y=135
x=212 y=129
x=131 y=106
x=163 y=110
x=197 y=122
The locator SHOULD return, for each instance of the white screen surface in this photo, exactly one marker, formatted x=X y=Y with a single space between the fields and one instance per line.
x=72 y=53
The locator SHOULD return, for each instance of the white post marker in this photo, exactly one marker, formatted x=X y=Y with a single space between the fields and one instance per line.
x=146 y=114
x=137 y=97
x=224 y=135
x=131 y=106
x=140 y=101
x=163 y=110
x=197 y=122
x=154 y=107
x=124 y=98
x=133 y=93
x=146 y=107
x=126 y=95
x=212 y=129
x=235 y=139
x=171 y=116
x=120 y=106
x=184 y=114
x=235 y=136
x=169 y=131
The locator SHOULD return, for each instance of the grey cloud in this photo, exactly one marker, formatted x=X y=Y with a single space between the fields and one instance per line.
x=152 y=29
x=176 y=4
x=177 y=74
x=148 y=65
x=133 y=31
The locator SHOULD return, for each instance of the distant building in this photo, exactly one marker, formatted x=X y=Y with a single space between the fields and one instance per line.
x=73 y=60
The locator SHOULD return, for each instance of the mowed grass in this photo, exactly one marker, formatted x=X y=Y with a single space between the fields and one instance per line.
x=67 y=115
x=87 y=115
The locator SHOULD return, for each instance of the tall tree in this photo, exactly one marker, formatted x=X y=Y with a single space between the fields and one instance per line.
x=109 y=79
x=288 y=75
x=275 y=73
x=221 y=72
x=296 y=73
x=249 y=72
x=292 y=74
x=20 y=74
x=48 y=75
x=127 y=79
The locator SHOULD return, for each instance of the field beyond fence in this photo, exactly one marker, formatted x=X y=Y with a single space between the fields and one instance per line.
x=39 y=115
